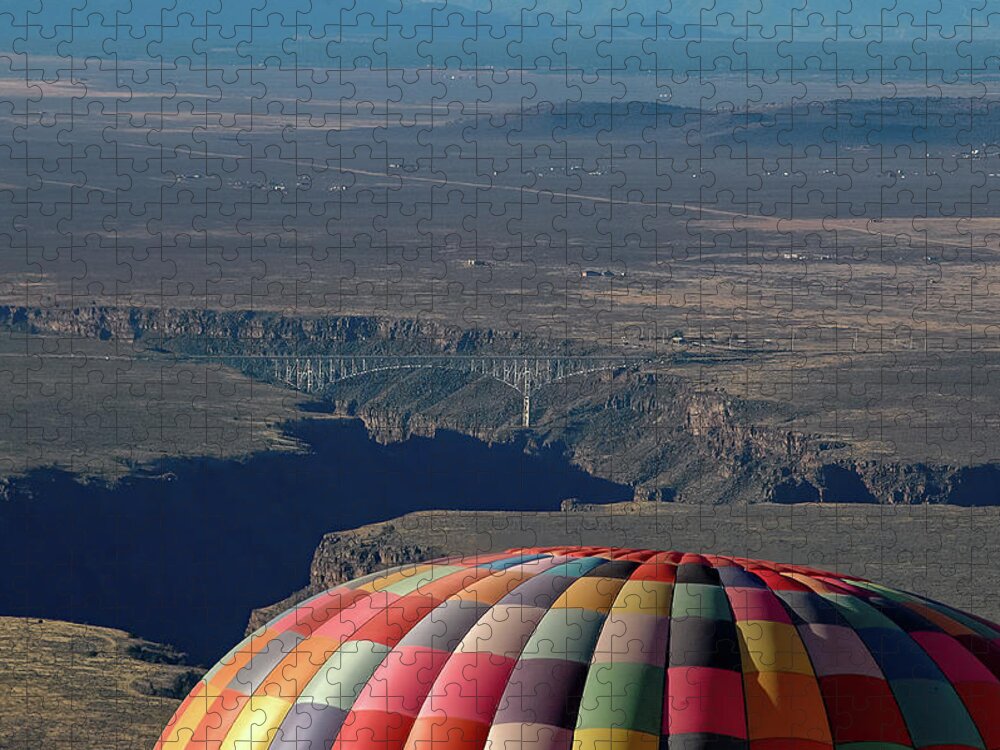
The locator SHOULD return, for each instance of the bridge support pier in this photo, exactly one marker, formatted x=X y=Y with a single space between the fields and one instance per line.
x=527 y=384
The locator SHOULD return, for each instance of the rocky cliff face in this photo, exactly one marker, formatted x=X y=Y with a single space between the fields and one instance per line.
x=239 y=332
x=344 y=556
x=651 y=429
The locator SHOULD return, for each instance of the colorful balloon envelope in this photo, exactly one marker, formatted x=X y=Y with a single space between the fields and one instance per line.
x=584 y=648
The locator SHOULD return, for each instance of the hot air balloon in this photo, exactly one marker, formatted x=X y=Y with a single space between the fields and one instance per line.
x=584 y=648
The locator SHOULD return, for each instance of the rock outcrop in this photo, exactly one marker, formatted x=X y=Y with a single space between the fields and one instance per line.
x=344 y=556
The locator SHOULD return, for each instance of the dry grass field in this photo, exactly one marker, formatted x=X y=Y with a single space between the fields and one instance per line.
x=64 y=685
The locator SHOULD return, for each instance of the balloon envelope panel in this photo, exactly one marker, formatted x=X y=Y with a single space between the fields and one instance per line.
x=583 y=648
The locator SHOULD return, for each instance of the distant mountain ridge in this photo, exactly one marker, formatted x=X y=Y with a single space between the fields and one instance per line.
x=956 y=122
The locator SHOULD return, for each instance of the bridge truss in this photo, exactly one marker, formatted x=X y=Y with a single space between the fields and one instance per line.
x=316 y=373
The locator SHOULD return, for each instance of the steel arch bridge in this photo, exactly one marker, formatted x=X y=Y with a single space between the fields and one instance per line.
x=524 y=374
